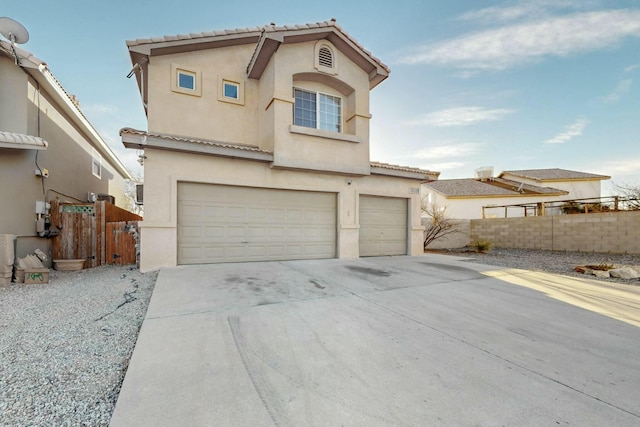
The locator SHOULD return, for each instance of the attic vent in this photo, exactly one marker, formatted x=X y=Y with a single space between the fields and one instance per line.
x=325 y=57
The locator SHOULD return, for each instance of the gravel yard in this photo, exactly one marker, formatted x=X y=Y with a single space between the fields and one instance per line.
x=65 y=346
x=551 y=262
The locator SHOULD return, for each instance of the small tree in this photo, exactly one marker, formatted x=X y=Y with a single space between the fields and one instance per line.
x=130 y=195
x=631 y=193
x=441 y=224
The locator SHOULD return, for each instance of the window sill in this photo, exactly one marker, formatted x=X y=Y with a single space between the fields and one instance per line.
x=324 y=134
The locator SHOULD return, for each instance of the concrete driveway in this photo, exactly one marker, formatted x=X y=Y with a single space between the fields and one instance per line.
x=401 y=341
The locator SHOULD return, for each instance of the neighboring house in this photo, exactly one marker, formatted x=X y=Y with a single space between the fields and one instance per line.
x=258 y=149
x=48 y=150
x=465 y=198
x=579 y=185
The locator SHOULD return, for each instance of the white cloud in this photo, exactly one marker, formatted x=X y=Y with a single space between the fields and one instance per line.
x=461 y=116
x=631 y=68
x=527 y=9
x=443 y=166
x=449 y=150
x=98 y=109
x=622 y=167
x=509 y=46
x=569 y=133
x=622 y=88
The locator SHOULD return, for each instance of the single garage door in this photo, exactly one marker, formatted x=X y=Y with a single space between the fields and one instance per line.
x=219 y=223
x=383 y=226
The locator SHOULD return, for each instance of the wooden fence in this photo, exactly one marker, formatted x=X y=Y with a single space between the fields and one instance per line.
x=100 y=233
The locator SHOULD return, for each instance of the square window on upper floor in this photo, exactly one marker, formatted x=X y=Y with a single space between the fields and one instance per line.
x=231 y=89
x=186 y=80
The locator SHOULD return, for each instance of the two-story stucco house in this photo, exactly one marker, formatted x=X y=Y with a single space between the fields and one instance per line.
x=258 y=149
x=48 y=150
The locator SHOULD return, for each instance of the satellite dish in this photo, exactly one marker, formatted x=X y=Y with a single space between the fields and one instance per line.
x=13 y=31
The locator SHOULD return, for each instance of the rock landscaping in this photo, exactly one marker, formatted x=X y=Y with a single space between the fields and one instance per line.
x=65 y=345
x=618 y=268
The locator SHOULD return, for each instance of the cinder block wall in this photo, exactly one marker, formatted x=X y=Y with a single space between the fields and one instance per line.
x=615 y=232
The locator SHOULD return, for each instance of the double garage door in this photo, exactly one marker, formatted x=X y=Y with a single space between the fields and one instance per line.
x=221 y=223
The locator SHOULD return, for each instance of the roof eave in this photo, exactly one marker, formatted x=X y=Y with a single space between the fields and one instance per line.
x=421 y=176
x=267 y=46
x=186 y=44
x=25 y=59
x=493 y=196
x=142 y=141
x=593 y=177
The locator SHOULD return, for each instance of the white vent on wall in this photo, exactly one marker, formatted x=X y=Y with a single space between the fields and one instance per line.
x=325 y=57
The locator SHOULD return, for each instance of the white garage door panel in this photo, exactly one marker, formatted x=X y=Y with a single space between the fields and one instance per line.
x=218 y=223
x=383 y=226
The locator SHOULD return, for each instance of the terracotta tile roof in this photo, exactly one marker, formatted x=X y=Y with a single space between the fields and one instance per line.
x=252 y=148
x=259 y=31
x=18 y=140
x=404 y=169
x=497 y=187
x=554 y=174
x=193 y=36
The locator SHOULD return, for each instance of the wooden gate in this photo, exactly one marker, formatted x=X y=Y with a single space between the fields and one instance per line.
x=121 y=242
x=78 y=237
x=100 y=233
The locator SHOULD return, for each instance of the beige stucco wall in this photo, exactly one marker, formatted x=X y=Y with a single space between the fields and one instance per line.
x=68 y=159
x=201 y=116
x=13 y=102
x=164 y=169
x=615 y=232
x=266 y=116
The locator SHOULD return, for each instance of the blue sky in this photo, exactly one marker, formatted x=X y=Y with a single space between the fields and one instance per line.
x=509 y=84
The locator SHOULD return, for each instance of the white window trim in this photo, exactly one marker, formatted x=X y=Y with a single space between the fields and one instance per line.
x=96 y=160
x=317 y=92
x=197 y=80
